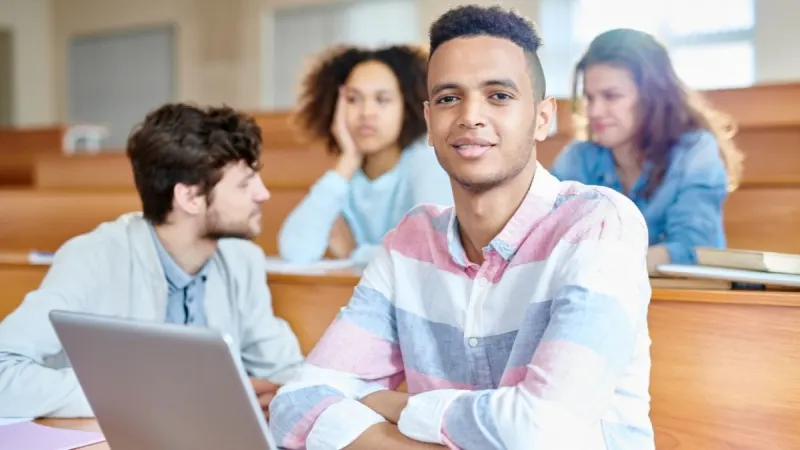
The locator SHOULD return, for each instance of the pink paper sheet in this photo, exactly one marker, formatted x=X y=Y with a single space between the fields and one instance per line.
x=32 y=436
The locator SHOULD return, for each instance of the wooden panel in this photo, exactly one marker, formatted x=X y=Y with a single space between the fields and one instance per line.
x=31 y=139
x=17 y=281
x=44 y=220
x=725 y=376
x=282 y=169
x=762 y=105
x=16 y=169
x=309 y=308
x=772 y=154
x=279 y=132
x=765 y=219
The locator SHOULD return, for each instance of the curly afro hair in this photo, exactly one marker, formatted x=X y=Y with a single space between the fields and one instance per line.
x=320 y=89
x=494 y=21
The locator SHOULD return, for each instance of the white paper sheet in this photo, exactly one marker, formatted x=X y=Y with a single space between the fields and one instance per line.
x=276 y=265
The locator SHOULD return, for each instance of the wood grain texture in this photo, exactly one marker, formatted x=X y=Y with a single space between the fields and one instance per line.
x=44 y=220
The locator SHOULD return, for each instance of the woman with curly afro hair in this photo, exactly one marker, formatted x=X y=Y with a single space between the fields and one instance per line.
x=367 y=106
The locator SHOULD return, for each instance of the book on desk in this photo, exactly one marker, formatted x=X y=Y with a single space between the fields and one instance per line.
x=732 y=269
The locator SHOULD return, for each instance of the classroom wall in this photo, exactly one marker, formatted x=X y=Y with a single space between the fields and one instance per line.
x=31 y=26
x=219 y=44
x=777 y=37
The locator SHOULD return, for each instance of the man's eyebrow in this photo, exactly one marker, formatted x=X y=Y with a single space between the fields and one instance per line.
x=504 y=82
x=443 y=87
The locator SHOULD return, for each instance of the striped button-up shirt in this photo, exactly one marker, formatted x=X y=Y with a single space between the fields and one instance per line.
x=543 y=346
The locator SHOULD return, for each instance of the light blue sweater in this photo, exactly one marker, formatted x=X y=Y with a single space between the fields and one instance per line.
x=370 y=207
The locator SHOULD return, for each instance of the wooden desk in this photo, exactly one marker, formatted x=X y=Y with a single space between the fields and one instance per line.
x=724 y=363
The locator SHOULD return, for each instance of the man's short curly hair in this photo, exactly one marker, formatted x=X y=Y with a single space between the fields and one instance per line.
x=320 y=89
x=182 y=143
x=494 y=21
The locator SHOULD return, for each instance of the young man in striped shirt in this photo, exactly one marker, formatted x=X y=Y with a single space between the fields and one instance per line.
x=518 y=319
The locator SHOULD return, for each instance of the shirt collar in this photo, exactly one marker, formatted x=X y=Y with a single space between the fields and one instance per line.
x=177 y=278
x=538 y=203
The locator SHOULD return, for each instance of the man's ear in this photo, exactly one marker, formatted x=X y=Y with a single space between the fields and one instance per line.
x=189 y=199
x=545 y=117
x=426 y=108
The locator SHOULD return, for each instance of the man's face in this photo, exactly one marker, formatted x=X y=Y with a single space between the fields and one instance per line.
x=482 y=111
x=234 y=204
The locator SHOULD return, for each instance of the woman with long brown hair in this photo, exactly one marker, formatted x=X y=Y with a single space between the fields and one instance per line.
x=642 y=132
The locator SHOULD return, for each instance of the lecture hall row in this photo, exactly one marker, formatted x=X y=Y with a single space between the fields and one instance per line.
x=724 y=362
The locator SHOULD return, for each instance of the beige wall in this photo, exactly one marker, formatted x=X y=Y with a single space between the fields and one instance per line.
x=219 y=44
x=31 y=26
x=777 y=39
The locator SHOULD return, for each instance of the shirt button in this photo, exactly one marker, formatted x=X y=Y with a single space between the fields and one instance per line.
x=482 y=282
x=473 y=342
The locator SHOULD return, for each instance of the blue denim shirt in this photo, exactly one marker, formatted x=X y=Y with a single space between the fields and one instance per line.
x=685 y=211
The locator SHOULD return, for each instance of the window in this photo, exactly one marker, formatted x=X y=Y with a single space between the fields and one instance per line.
x=698 y=33
x=302 y=32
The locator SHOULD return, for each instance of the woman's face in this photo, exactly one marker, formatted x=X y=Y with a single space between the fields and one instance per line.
x=612 y=100
x=374 y=107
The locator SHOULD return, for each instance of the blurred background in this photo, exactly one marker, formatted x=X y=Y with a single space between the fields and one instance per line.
x=109 y=61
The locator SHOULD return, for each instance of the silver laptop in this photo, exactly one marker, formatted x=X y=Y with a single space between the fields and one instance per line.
x=162 y=386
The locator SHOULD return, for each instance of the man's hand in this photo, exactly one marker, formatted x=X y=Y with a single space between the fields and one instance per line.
x=265 y=391
x=388 y=404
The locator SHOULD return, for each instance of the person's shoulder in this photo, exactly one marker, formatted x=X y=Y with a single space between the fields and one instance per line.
x=697 y=152
x=106 y=242
x=576 y=159
x=580 y=149
x=417 y=153
x=422 y=223
x=597 y=210
x=699 y=143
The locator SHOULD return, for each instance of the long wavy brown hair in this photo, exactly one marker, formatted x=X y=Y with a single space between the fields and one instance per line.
x=667 y=107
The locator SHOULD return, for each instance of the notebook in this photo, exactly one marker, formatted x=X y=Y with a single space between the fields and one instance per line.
x=749 y=260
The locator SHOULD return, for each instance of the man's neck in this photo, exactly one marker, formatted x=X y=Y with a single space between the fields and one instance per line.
x=188 y=250
x=482 y=216
x=381 y=162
